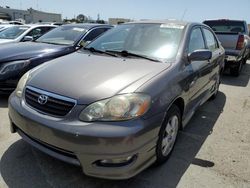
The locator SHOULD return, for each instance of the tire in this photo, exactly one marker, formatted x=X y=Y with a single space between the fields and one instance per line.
x=217 y=86
x=235 y=71
x=168 y=134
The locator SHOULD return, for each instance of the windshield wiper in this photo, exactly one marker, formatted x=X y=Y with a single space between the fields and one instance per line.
x=91 y=49
x=47 y=42
x=126 y=53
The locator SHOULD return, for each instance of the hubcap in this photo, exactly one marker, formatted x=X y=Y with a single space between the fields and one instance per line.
x=170 y=134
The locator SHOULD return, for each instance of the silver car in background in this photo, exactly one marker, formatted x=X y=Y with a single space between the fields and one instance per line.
x=116 y=106
x=23 y=33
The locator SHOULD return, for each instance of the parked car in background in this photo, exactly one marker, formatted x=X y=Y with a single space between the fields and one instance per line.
x=16 y=59
x=234 y=37
x=52 y=23
x=15 y=23
x=115 y=106
x=23 y=33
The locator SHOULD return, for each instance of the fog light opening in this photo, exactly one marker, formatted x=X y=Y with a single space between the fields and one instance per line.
x=119 y=162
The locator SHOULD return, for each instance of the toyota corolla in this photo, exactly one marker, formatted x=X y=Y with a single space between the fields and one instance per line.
x=115 y=107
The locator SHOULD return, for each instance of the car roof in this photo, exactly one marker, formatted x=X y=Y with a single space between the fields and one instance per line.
x=87 y=25
x=39 y=25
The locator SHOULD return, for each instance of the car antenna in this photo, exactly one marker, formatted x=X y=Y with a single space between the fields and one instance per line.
x=183 y=15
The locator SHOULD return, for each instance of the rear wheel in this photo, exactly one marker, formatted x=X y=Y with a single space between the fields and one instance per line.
x=168 y=134
x=235 y=71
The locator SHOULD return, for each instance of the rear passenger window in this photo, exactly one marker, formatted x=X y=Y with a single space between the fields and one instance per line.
x=196 y=41
x=210 y=39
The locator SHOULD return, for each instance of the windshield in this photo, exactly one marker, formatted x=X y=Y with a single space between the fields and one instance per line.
x=158 y=41
x=226 y=26
x=65 y=35
x=13 y=32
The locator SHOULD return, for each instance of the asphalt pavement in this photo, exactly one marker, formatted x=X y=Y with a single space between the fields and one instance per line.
x=212 y=151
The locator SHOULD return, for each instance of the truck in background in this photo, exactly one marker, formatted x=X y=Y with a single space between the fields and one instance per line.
x=234 y=37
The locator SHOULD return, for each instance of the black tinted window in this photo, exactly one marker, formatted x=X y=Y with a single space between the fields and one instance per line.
x=196 y=41
x=94 y=34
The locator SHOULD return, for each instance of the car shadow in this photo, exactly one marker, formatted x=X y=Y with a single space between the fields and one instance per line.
x=241 y=81
x=4 y=101
x=22 y=165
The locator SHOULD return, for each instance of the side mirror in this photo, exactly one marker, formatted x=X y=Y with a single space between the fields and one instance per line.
x=200 y=55
x=84 y=43
x=27 y=39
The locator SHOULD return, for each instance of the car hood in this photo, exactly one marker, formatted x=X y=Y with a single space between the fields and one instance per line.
x=26 y=50
x=89 y=78
x=5 y=41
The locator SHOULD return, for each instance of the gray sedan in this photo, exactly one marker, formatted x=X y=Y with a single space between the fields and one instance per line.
x=116 y=106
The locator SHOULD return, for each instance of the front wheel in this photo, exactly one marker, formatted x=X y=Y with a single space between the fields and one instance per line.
x=168 y=134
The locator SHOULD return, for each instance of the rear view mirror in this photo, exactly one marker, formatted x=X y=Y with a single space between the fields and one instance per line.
x=27 y=39
x=200 y=55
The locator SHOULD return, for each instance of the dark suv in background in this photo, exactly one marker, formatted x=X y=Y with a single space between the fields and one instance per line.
x=18 y=58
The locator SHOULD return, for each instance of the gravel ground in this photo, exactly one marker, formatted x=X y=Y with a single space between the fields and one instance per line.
x=212 y=151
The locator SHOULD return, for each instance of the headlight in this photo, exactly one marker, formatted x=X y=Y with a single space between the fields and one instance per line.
x=117 y=108
x=13 y=66
x=21 y=84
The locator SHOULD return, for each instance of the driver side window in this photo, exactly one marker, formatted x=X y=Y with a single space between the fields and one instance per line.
x=196 y=40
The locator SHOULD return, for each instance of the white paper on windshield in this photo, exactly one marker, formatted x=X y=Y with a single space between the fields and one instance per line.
x=23 y=28
x=79 y=29
x=172 y=26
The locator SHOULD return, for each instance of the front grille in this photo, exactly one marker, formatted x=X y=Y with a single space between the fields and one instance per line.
x=55 y=105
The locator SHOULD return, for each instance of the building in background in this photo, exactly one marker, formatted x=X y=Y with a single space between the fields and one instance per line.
x=29 y=16
x=116 y=21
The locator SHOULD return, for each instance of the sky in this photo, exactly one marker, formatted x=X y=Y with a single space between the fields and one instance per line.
x=189 y=10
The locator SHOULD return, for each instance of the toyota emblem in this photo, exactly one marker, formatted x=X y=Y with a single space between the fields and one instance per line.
x=42 y=99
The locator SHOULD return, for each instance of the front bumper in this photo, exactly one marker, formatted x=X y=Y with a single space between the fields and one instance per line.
x=86 y=144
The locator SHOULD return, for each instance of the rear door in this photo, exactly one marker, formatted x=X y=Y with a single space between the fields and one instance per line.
x=215 y=64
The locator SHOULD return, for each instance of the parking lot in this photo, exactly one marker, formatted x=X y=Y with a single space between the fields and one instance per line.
x=213 y=150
